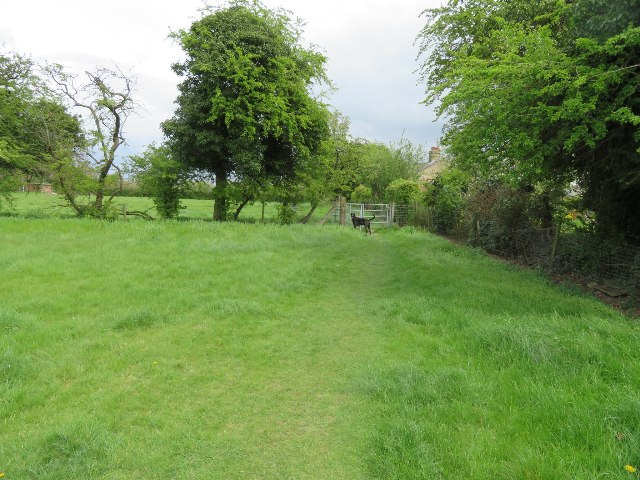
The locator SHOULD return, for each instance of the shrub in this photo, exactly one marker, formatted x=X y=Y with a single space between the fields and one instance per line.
x=161 y=177
x=286 y=214
x=498 y=216
x=446 y=195
x=403 y=192
x=361 y=194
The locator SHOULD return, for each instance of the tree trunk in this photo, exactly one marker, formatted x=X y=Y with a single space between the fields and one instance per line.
x=99 y=199
x=70 y=197
x=220 y=205
x=242 y=205
x=547 y=211
x=307 y=217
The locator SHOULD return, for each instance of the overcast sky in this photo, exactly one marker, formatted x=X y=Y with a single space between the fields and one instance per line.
x=369 y=45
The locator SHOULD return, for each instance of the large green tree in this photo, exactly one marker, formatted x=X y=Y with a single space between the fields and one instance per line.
x=246 y=107
x=530 y=103
x=15 y=96
x=39 y=137
x=386 y=164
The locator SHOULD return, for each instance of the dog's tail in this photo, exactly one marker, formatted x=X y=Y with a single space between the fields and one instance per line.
x=372 y=218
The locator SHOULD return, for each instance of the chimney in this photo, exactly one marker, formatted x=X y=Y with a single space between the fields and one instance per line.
x=434 y=154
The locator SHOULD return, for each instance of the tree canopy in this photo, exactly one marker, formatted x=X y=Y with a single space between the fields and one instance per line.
x=38 y=134
x=534 y=95
x=246 y=107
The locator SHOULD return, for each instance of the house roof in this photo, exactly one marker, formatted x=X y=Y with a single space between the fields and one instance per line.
x=431 y=170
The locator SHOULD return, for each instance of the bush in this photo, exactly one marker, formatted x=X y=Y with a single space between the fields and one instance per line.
x=498 y=216
x=162 y=178
x=286 y=214
x=446 y=195
x=403 y=192
x=361 y=194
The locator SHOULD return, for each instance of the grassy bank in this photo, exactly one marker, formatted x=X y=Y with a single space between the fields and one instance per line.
x=199 y=350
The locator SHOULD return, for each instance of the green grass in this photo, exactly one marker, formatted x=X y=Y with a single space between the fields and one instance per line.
x=192 y=350
x=41 y=205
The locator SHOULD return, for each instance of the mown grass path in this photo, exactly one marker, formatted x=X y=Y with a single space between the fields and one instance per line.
x=198 y=350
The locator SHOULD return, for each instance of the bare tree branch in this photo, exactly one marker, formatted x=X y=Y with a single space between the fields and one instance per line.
x=106 y=97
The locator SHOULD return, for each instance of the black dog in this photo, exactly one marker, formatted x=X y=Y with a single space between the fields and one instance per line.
x=357 y=221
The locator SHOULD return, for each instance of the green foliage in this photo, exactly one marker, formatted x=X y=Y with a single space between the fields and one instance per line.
x=495 y=213
x=38 y=135
x=361 y=194
x=342 y=158
x=286 y=214
x=403 y=192
x=343 y=164
x=528 y=104
x=603 y=19
x=446 y=196
x=384 y=164
x=162 y=178
x=246 y=106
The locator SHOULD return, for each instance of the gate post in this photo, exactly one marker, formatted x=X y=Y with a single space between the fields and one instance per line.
x=343 y=210
x=390 y=214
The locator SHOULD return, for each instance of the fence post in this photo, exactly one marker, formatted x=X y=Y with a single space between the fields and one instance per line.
x=124 y=211
x=343 y=210
x=392 y=211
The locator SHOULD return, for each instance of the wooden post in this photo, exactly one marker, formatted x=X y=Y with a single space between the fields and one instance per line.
x=124 y=211
x=328 y=215
x=262 y=214
x=392 y=211
x=343 y=210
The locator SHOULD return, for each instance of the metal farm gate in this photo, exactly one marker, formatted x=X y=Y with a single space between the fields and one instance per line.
x=384 y=213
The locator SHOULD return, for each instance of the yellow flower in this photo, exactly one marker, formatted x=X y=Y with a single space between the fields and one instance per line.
x=1 y=474
x=629 y=469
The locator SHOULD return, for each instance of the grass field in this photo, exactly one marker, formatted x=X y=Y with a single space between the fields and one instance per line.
x=41 y=205
x=195 y=350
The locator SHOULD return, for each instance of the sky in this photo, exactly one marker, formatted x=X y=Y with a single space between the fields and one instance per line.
x=369 y=44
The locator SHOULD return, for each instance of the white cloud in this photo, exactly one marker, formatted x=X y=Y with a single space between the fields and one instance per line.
x=369 y=45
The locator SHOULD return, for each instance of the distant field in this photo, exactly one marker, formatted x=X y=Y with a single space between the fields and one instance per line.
x=41 y=205
x=197 y=350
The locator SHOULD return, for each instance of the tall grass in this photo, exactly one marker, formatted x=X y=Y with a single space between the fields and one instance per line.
x=200 y=350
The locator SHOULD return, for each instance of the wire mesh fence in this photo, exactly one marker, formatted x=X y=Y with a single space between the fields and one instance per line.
x=611 y=267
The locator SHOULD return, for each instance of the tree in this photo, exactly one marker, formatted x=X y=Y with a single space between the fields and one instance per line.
x=245 y=108
x=384 y=164
x=446 y=195
x=603 y=19
x=15 y=76
x=334 y=170
x=38 y=135
x=361 y=194
x=531 y=105
x=343 y=158
x=106 y=97
x=403 y=192
x=162 y=178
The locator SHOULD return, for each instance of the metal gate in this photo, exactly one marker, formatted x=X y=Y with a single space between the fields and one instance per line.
x=383 y=213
